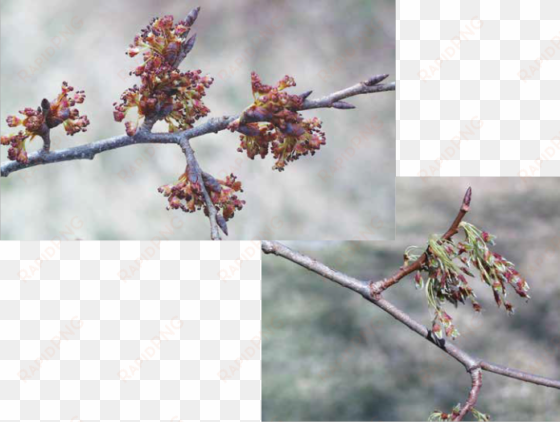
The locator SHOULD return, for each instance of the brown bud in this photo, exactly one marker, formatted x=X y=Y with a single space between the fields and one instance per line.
x=211 y=183
x=192 y=16
x=468 y=195
x=343 y=105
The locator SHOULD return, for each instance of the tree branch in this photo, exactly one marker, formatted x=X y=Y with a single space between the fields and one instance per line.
x=88 y=151
x=519 y=375
x=379 y=286
x=472 y=364
x=213 y=125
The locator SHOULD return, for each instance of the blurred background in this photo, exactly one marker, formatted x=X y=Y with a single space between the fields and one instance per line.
x=330 y=355
x=326 y=45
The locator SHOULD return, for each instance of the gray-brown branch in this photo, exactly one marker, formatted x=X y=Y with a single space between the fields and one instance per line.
x=213 y=125
x=472 y=364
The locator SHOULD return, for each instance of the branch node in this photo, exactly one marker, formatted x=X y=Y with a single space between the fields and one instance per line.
x=374 y=290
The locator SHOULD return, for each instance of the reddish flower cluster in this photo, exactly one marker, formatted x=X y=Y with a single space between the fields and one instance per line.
x=165 y=92
x=188 y=196
x=446 y=277
x=272 y=123
x=442 y=416
x=38 y=121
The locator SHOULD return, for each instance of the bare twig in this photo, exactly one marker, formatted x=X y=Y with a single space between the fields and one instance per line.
x=379 y=286
x=368 y=87
x=213 y=125
x=472 y=364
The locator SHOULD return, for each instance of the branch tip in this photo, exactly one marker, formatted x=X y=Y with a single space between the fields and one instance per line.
x=192 y=16
x=305 y=95
x=374 y=80
x=468 y=195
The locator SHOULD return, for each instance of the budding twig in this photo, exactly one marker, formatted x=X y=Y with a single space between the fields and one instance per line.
x=212 y=125
x=379 y=286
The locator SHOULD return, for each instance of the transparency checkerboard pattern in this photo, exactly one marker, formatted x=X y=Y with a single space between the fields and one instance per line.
x=478 y=92
x=123 y=331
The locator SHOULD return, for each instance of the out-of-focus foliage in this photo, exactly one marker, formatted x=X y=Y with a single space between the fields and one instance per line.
x=334 y=356
x=326 y=45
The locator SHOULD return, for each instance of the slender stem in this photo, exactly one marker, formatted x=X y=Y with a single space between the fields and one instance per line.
x=46 y=135
x=196 y=176
x=476 y=378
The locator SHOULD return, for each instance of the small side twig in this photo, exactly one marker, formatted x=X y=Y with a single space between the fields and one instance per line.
x=379 y=286
x=476 y=379
x=196 y=176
